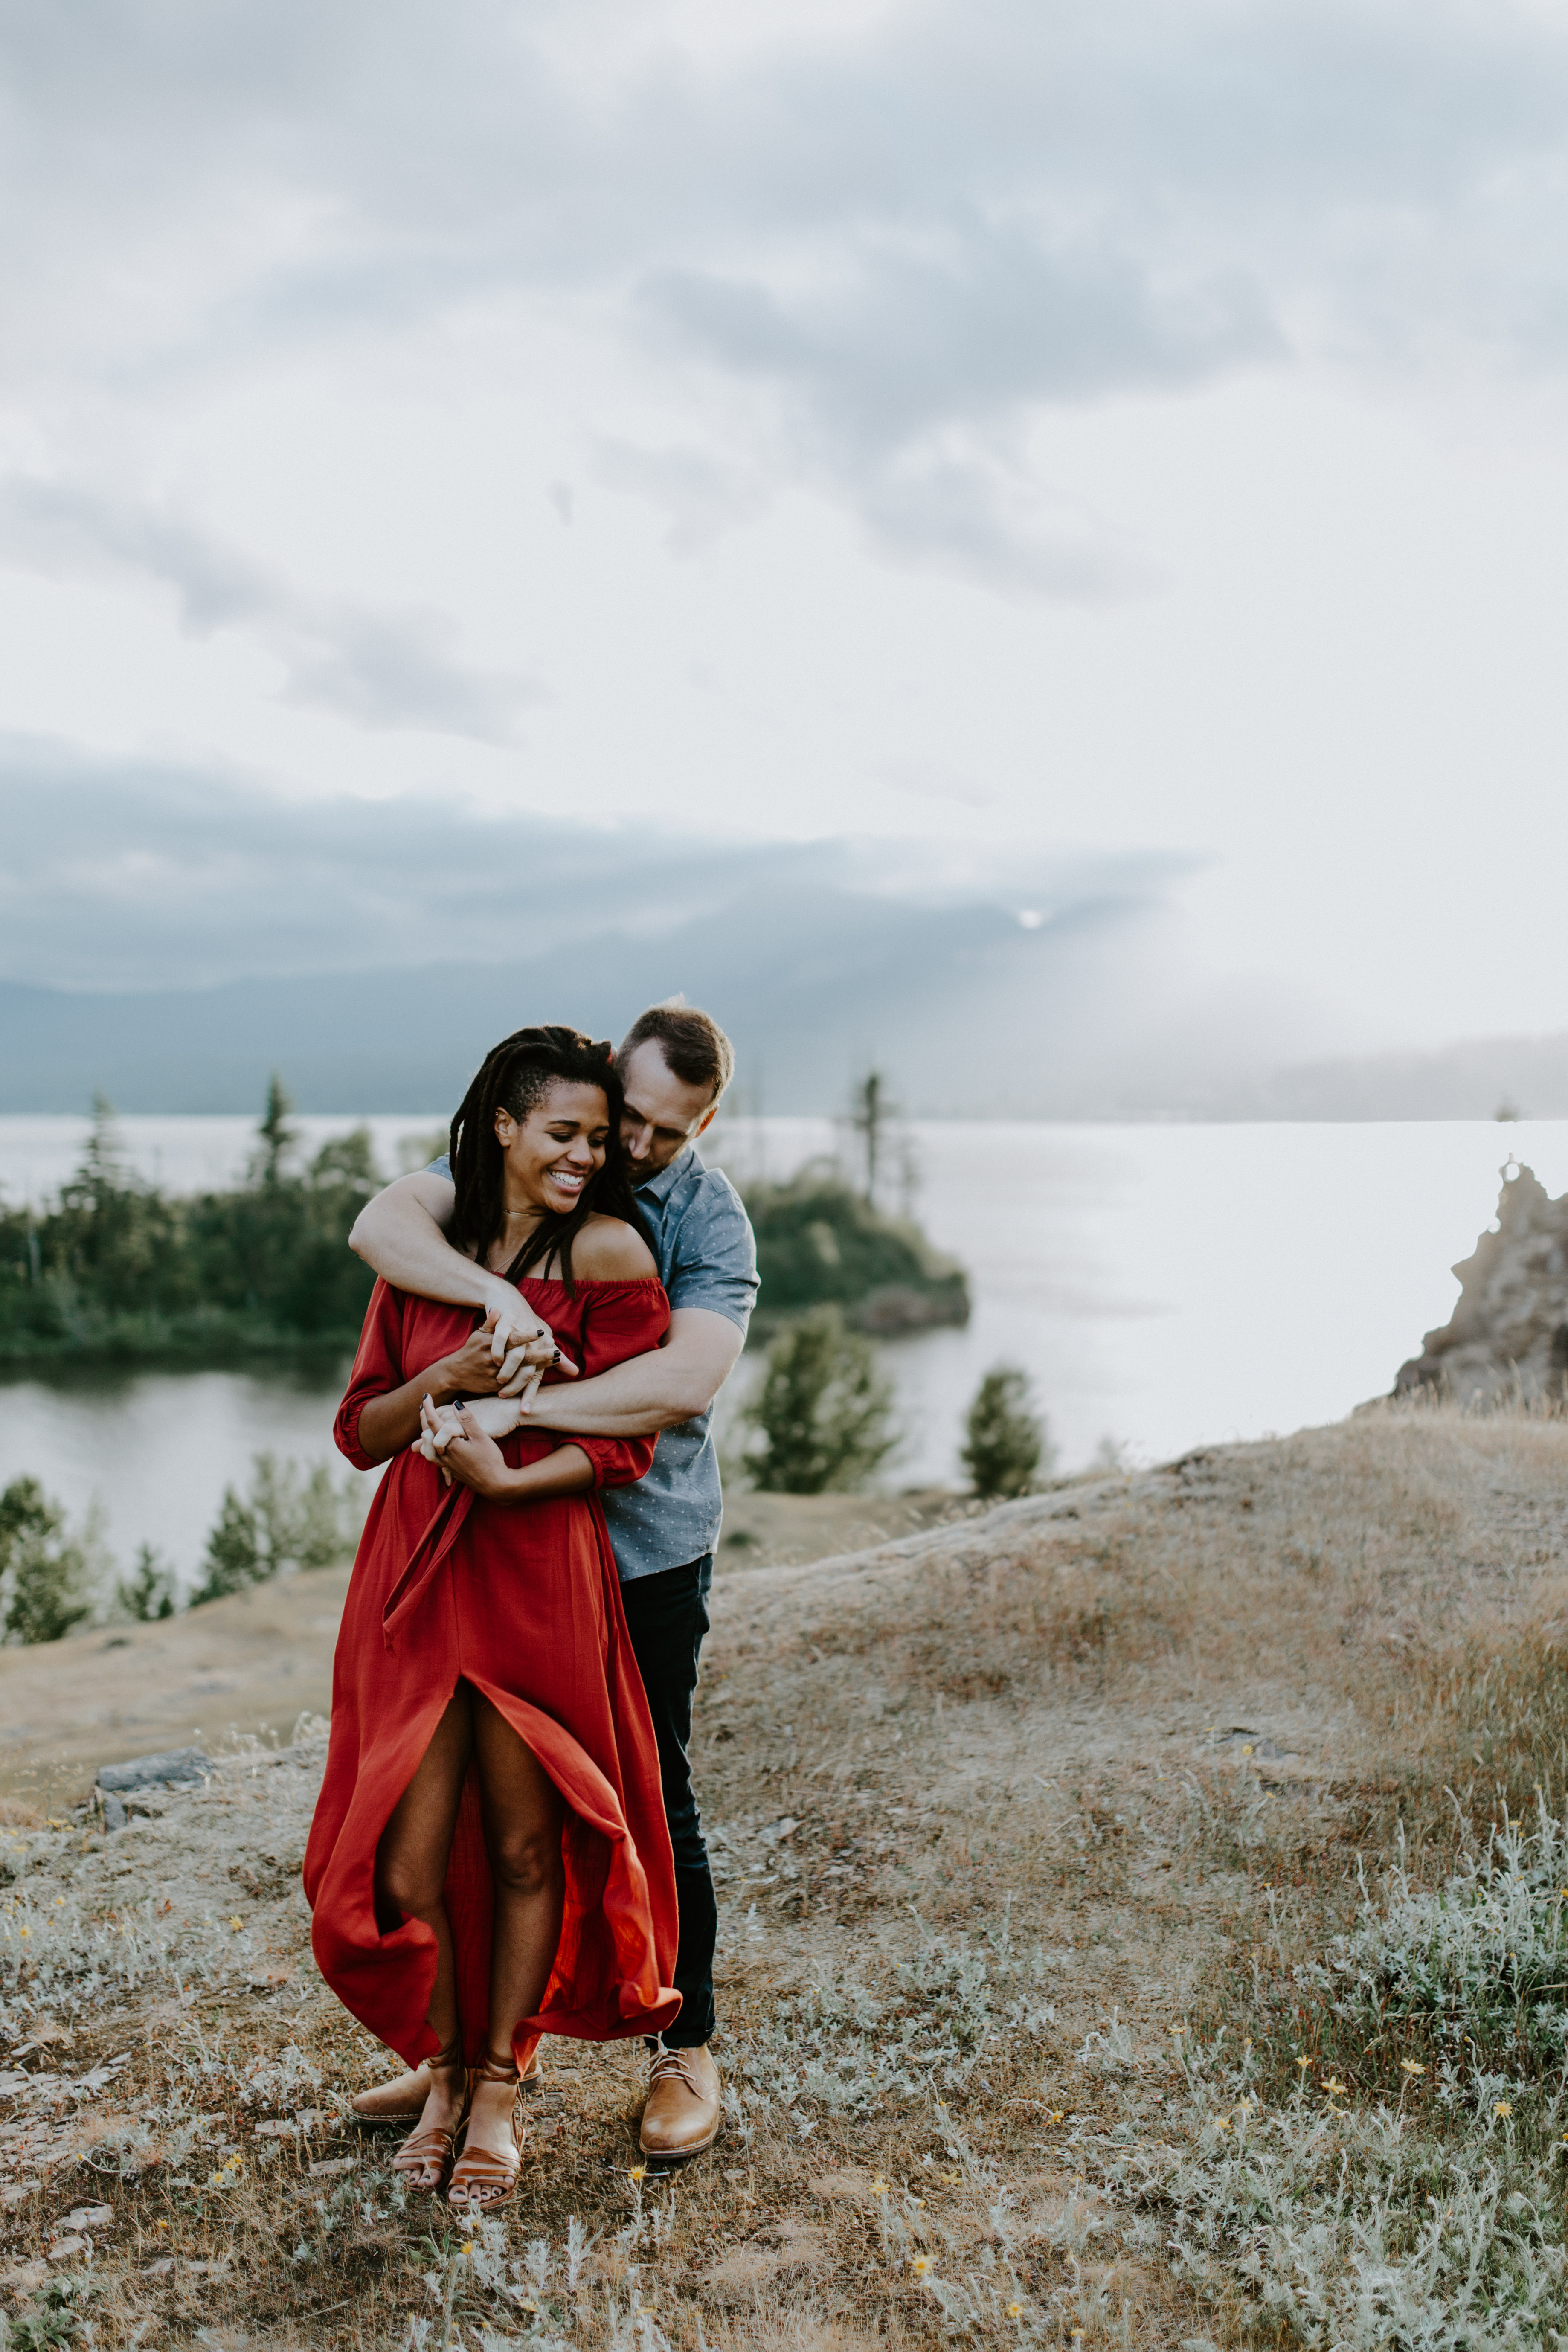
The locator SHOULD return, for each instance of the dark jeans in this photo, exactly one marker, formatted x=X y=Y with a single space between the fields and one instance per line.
x=666 y=1617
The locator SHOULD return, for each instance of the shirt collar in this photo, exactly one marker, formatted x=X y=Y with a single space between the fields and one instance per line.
x=659 y=1188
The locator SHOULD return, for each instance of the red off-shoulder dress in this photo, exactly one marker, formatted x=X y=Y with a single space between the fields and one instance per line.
x=522 y=1601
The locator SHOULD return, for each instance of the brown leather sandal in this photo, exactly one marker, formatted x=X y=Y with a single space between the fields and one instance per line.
x=433 y=2149
x=394 y=2105
x=483 y=2179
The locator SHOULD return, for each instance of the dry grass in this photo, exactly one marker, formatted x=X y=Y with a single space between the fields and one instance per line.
x=996 y=1808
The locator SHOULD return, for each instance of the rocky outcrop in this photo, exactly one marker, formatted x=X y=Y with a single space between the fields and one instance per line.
x=1508 y=1337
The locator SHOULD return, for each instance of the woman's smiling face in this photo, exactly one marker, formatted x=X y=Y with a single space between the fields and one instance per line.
x=555 y=1149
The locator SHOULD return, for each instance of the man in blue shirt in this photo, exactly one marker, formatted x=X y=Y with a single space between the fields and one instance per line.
x=675 y=1063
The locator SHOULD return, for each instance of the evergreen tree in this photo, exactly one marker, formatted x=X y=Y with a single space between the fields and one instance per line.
x=824 y=1410
x=235 y=1559
x=43 y=1575
x=276 y=1138
x=286 y=1522
x=149 y=1594
x=1005 y=1448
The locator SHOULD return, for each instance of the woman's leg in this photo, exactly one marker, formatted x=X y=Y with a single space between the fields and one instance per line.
x=523 y=1813
x=410 y=1875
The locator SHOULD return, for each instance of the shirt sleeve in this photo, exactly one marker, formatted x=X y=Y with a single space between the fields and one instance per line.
x=714 y=1260
x=377 y=1369
x=623 y=1319
x=442 y=1167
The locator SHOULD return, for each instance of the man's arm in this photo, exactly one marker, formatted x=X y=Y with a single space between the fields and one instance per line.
x=648 y=1393
x=400 y=1235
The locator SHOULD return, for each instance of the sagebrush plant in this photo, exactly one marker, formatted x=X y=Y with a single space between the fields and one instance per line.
x=845 y=2047
x=1320 y=2222
x=1407 y=2187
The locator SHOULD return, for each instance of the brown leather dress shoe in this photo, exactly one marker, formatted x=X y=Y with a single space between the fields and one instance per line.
x=685 y=2106
x=394 y=2105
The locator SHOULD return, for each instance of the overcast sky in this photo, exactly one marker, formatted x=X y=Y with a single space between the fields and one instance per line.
x=1123 y=439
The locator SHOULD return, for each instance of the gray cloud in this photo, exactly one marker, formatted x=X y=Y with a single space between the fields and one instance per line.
x=385 y=669
x=910 y=243
x=701 y=496
x=172 y=936
x=122 y=874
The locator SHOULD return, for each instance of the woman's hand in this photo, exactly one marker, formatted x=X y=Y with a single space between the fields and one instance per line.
x=453 y=1438
x=470 y=1371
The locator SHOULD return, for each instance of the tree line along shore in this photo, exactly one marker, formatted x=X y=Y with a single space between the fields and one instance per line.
x=118 y=1264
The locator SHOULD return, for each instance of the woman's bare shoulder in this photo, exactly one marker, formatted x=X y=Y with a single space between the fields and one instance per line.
x=609 y=1250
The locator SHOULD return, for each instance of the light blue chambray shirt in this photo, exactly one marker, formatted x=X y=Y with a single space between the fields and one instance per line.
x=707 y=1257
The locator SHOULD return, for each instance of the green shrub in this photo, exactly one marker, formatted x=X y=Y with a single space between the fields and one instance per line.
x=44 y=1576
x=1004 y=1449
x=822 y=1410
x=149 y=1594
x=287 y=1521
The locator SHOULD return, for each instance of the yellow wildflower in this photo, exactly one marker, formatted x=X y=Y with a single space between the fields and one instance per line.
x=637 y=2172
x=878 y=2187
x=1334 y=2088
x=1503 y=2107
x=237 y=1924
x=920 y=2264
x=1411 y=2066
x=1014 y=2311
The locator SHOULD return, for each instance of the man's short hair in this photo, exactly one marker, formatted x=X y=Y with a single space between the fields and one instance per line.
x=694 y=1047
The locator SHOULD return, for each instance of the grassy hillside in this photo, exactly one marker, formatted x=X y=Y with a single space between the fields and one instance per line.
x=1118 y=1950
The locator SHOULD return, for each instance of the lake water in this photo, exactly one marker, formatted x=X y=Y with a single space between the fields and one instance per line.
x=1164 y=1287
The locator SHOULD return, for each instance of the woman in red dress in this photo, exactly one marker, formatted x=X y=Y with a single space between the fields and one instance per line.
x=489 y=1859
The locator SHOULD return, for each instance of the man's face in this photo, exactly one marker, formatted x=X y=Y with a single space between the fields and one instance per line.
x=663 y=1114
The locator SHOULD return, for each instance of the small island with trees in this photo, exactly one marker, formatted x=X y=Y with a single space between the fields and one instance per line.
x=117 y=1265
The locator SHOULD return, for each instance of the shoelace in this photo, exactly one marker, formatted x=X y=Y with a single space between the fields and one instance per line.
x=674 y=2062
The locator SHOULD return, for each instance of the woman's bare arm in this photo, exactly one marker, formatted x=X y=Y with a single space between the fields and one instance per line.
x=389 y=1423
x=400 y=1235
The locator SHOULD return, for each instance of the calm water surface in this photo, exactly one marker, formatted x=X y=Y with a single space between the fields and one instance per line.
x=1165 y=1286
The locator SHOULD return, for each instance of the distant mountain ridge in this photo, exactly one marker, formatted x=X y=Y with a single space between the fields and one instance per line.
x=968 y=1014
x=1481 y=1077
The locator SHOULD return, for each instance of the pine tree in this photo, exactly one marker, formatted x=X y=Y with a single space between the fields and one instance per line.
x=275 y=1136
x=149 y=1594
x=234 y=1559
x=43 y=1574
x=1005 y=1448
x=824 y=1410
